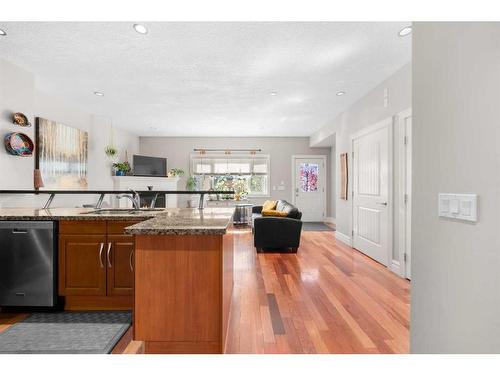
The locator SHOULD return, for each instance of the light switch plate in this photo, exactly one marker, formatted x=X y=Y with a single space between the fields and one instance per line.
x=458 y=206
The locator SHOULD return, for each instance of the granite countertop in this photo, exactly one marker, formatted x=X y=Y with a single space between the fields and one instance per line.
x=179 y=221
x=184 y=221
x=72 y=214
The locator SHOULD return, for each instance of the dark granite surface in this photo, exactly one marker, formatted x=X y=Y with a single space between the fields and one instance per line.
x=183 y=221
x=179 y=221
x=70 y=214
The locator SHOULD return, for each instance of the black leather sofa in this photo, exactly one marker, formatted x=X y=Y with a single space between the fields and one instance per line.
x=277 y=233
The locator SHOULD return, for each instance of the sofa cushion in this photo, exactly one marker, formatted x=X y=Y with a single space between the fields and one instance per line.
x=269 y=205
x=275 y=213
x=290 y=209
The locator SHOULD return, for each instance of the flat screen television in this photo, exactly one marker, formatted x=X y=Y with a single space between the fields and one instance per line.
x=150 y=166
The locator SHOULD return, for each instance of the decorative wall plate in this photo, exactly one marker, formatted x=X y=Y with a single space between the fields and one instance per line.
x=19 y=144
x=20 y=119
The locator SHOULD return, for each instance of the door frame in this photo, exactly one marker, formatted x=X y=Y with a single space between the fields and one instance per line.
x=294 y=180
x=389 y=123
x=404 y=212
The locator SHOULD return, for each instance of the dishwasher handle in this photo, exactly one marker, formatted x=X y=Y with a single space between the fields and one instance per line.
x=19 y=231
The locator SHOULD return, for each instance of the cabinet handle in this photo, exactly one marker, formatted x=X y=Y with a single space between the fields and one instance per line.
x=100 y=254
x=108 y=258
x=130 y=260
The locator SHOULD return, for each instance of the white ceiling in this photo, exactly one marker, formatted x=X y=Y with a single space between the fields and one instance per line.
x=209 y=79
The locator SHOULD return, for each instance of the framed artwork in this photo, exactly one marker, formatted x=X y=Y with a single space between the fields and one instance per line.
x=343 y=177
x=61 y=155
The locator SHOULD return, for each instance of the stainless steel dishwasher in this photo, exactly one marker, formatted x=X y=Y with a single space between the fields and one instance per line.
x=28 y=254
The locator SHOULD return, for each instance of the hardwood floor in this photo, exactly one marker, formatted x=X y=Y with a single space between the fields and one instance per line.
x=328 y=298
x=8 y=319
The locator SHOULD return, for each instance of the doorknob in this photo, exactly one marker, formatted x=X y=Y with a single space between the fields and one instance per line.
x=382 y=203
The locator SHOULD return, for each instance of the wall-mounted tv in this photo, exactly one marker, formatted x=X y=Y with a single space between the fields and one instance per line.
x=150 y=166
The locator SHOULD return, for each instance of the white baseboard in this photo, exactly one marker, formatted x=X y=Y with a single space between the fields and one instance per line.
x=395 y=267
x=330 y=220
x=343 y=238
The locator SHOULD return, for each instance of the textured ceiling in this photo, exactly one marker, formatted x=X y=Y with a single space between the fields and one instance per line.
x=209 y=79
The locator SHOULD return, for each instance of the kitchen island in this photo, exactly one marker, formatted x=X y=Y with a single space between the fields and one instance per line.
x=174 y=266
x=183 y=280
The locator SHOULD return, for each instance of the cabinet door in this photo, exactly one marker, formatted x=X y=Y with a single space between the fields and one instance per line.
x=119 y=261
x=82 y=270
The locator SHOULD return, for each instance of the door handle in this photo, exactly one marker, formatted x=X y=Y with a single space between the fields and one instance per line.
x=382 y=203
x=100 y=254
x=108 y=255
x=130 y=260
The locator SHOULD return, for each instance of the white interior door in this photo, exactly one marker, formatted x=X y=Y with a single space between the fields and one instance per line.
x=408 y=170
x=371 y=193
x=309 y=187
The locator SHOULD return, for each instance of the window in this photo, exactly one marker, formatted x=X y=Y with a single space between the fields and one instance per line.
x=241 y=173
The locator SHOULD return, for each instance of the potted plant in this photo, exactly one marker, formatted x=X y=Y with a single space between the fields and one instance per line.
x=191 y=186
x=110 y=151
x=240 y=189
x=225 y=183
x=175 y=172
x=191 y=183
x=122 y=168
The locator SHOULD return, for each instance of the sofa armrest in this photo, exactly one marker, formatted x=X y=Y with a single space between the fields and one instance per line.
x=257 y=209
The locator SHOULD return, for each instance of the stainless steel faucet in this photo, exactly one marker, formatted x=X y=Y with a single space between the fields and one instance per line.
x=134 y=197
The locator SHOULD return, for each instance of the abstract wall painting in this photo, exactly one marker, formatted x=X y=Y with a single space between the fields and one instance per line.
x=61 y=155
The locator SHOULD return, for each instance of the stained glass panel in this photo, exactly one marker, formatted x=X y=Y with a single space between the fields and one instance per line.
x=309 y=177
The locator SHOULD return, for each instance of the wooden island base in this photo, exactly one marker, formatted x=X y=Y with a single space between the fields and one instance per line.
x=183 y=289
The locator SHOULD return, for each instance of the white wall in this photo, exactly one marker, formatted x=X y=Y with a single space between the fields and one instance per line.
x=19 y=93
x=365 y=112
x=178 y=149
x=456 y=139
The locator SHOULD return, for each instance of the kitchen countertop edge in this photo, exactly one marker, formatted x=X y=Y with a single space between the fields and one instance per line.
x=159 y=223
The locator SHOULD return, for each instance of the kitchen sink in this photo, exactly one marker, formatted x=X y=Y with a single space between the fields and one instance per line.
x=121 y=211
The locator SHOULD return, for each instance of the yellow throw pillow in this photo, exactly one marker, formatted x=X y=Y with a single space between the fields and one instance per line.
x=274 y=213
x=269 y=205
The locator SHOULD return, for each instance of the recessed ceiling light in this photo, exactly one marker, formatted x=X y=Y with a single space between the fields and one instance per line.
x=2 y=33
x=405 y=31
x=273 y=93
x=141 y=29
x=98 y=93
x=340 y=93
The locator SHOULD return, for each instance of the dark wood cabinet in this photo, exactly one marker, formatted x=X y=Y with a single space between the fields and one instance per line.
x=81 y=265
x=96 y=264
x=119 y=262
